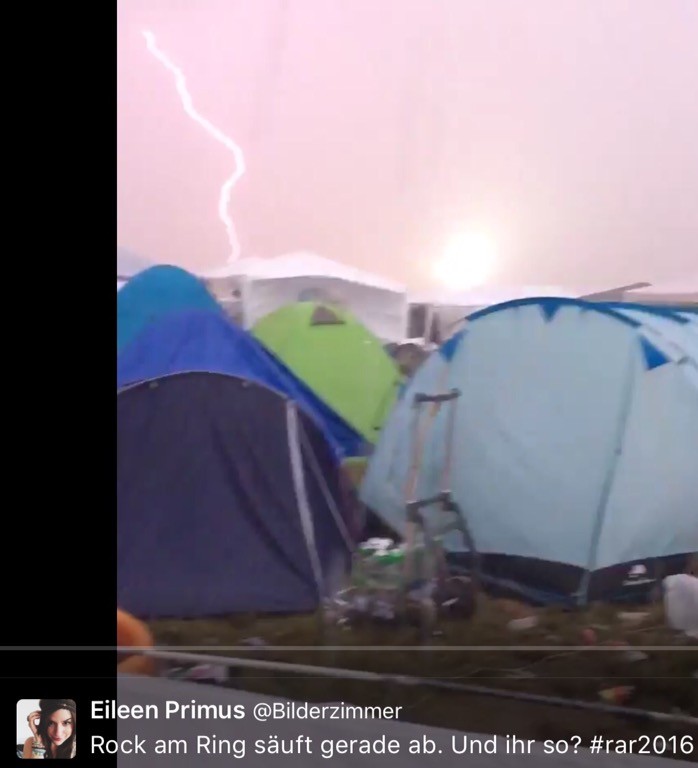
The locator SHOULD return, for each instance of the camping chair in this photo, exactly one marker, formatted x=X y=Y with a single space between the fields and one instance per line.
x=417 y=528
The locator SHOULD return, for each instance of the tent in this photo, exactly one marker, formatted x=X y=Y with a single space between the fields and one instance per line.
x=156 y=291
x=129 y=263
x=338 y=358
x=683 y=293
x=408 y=356
x=253 y=288
x=229 y=495
x=197 y=341
x=436 y=315
x=575 y=446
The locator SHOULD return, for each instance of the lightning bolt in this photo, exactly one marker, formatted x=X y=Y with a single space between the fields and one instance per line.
x=226 y=141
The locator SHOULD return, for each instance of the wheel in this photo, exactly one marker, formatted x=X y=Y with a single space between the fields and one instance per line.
x=457 y=598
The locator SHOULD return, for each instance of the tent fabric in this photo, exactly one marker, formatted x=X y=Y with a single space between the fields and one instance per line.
x=154 y=292
x=265 y=285
x=201 y=341
x=408 y=357
x=129 y=263
x=343 y=363
x=677 y=293
x=436 y=315
x=575 y=446
x=212 y=516
x=677 y=329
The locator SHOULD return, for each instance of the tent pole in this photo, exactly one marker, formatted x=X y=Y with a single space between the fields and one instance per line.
x=607 y=487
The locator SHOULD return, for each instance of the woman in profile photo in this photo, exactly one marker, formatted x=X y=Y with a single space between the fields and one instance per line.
x=53 y=729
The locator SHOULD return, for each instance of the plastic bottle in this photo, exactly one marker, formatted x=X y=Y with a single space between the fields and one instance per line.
x=681 y=603
x=390 y=564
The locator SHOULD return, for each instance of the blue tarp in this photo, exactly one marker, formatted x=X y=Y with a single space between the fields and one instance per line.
x=202 y=341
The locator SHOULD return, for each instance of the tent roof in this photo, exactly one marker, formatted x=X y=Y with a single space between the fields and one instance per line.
x=674 y=327
x=156 y=291
x=302 y=264
x=674 y=291
x=487 y=296
x=669 y=333
x=338 y=357
x=206 y=342
x=130 y=263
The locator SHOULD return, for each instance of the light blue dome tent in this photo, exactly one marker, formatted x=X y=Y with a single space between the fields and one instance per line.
x=574 y=447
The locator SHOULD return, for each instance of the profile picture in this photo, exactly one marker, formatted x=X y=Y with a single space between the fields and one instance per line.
x=46 y=729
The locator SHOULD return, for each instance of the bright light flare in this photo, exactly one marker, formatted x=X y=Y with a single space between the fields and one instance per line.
x=469 y=261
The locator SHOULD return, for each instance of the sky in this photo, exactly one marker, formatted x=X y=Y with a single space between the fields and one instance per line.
x=374 y=131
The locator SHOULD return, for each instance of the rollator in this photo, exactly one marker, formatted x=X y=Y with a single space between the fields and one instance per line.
x=415 y=583
x=420 y=535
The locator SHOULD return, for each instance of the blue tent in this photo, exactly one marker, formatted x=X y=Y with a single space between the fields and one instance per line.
x=203 y=342
x=154 y=292
x=575 y=448
x=229 y=493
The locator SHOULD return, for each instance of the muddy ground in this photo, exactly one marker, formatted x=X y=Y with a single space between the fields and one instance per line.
x=588 y=657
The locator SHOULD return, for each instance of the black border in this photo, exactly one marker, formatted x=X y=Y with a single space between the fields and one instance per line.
x=58 y=428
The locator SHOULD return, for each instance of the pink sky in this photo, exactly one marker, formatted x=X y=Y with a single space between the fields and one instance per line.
x=375 y=129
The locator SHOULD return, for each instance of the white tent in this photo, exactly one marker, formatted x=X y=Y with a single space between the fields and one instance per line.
x=129 y=263
x=443 y=311
x=254 y=287
x=683 y=292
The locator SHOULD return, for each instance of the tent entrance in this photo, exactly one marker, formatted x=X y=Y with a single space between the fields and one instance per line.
x=325 y=316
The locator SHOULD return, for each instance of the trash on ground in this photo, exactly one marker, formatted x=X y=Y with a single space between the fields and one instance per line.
x=257 y=642
x=520 y=625
x=520 y=674
x=618 y=694
x=681 y=603
x=633 y=617
x=214 y=673
x=633 y=656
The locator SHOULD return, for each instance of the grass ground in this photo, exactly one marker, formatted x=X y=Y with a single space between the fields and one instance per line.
x=661 y=680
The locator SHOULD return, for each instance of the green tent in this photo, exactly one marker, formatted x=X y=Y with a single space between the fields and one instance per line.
x=338 y=358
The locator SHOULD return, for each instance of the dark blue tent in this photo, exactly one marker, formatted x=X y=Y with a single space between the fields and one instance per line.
x=229 y=493
x=198 y=341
